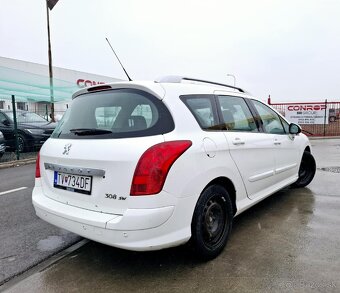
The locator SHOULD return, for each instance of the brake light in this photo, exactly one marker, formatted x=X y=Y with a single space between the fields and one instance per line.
x=37 y=166
x=154 y=165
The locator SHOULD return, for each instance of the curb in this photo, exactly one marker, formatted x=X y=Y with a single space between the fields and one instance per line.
x=17 y=163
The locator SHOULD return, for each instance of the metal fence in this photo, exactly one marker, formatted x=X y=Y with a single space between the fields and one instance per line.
x=317 y=118
x=25 y=126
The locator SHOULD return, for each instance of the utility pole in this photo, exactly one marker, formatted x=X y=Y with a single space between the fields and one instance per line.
x=49 y=5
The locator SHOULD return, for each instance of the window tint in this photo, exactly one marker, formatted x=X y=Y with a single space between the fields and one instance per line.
x=236 y=114
x=145 y=111
x=114 y=114
x=106 y=116
x=270 y=119
x=203 y=109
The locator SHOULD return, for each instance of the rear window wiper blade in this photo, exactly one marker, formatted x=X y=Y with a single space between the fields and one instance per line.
x=89 y=131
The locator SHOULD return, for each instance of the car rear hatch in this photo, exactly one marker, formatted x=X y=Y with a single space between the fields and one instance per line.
x=104 y=171
x=90 y=159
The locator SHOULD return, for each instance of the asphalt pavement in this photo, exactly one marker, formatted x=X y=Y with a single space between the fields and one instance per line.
x=287 y=243
x=25 y=240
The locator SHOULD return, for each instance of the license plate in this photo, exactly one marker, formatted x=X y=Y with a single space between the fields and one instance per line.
x=74 y=183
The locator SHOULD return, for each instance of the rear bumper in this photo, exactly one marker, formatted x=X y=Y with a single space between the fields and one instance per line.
x=137 y=229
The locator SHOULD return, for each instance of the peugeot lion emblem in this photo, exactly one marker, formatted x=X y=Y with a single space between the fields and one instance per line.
x=67 y=148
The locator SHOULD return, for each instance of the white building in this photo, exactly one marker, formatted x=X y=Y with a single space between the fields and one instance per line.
x=29 y=83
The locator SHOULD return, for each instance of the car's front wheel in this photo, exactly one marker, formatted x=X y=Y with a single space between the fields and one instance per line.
x=307 y=170
x=212 y=222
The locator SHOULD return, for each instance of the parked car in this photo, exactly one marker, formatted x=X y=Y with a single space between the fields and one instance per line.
x=173 y=162
x=2 y=144
x=33 y=130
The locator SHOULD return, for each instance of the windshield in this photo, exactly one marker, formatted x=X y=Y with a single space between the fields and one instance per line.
x=114 y=114
x=26 y=117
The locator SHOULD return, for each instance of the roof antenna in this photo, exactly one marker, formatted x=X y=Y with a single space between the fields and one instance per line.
x=118 y=60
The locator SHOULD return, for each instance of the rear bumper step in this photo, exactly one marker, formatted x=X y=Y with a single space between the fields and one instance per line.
x=137 y=229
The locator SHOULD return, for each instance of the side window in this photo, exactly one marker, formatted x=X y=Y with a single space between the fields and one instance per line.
x=202 y=107
x=270 y=119
x=236 y=114
x=2 y=118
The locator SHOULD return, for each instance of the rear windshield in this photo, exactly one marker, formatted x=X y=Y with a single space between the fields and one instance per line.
x=114 y=114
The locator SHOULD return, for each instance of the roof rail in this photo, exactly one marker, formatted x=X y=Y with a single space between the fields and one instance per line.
x=179 y=79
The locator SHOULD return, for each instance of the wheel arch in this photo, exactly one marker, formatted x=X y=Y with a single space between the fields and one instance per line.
x=229 y=186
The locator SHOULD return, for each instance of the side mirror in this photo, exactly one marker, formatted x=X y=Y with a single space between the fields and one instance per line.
x=5 y=122
x=294 y=128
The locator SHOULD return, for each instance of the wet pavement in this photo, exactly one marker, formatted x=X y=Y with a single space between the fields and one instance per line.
x=25 y=240
x=290 y=242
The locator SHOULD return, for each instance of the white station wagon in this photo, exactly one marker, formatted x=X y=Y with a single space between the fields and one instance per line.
x=151 y=165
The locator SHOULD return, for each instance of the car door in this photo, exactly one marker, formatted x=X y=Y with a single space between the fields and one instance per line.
x=286 y=151
x=252 y=150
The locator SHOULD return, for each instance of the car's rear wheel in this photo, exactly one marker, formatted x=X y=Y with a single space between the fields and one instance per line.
x=212 y=222
x=307 y=170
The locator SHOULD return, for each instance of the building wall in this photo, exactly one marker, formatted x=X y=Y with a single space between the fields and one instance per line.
x=78 y=78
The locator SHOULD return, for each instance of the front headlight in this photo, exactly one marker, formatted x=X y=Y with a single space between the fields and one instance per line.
x=35 y=131
x=1 y=135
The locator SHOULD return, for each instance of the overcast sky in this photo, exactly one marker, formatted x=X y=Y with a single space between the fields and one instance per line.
x=289 y=49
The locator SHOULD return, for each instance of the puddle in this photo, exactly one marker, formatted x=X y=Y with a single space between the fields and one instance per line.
x=50 y=243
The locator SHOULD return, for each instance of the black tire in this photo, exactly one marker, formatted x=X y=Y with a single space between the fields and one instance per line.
x=307 y=170
x=332 y=119
x=211 y=222
x=22 y=143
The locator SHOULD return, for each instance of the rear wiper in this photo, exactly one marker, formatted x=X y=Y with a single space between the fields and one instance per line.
x=89 y=131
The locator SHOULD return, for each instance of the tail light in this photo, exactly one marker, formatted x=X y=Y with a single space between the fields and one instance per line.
x=37 y=166
x=154 y=165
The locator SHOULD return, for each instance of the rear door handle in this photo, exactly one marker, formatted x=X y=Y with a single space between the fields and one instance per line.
x=276 y=142
x=238 y=141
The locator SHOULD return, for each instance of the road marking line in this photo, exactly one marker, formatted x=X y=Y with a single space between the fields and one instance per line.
x=12 y=190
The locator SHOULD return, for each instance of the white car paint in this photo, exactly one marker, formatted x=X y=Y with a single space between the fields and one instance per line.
x=257 y=165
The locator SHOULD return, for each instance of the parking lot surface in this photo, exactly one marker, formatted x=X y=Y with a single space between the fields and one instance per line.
x=25 y=240
x=287 y=243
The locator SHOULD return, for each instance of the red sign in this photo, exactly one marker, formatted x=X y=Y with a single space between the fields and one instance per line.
x=86 y=82
x=306 y=107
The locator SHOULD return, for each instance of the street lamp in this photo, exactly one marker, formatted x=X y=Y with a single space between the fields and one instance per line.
x=232 y=75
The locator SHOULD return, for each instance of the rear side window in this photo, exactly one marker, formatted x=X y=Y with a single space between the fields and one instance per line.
x=204 y=110
x=114 y=114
